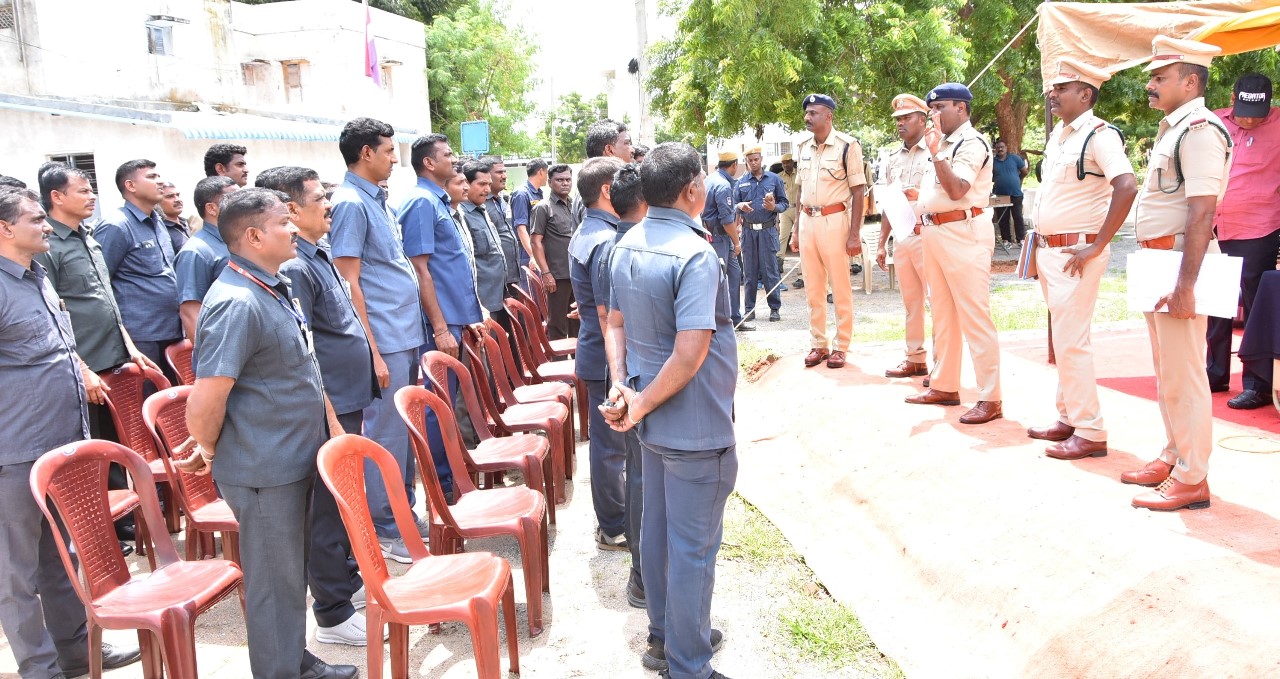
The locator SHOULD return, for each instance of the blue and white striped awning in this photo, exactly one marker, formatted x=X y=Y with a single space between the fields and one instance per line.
x=192 y=125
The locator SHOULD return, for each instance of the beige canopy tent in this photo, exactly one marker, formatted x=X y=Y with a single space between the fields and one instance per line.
x=1115 y=36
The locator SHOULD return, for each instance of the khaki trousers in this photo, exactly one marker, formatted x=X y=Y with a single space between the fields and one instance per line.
x=823 y=258
x=1071 y=301
x=908 y=263
x=957 y=264
x=786 y=222
x=1178 y=351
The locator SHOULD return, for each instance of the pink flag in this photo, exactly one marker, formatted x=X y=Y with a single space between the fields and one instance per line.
x=371 y=66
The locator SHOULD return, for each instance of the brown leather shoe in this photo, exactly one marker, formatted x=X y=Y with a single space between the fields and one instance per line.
x=1173 y=494
x=982 y=413
x=1060 y=431
x=908 y=369
x=1076 y=448
x=815 y=357
x=933 y=397
x=1153 y=474
x=836 y=359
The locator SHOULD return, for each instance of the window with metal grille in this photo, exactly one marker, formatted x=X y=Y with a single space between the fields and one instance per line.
x=8 y=19
x=784 y=147
x=160 y=39
x=82 y=162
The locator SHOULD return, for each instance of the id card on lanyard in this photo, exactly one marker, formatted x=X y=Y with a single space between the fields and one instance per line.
x=294 y=309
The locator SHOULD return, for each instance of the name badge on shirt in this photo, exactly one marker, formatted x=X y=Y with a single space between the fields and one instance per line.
x=147 y=244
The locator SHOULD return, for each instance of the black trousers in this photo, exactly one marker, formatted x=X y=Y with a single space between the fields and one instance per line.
x=1014 y=213
x=332 y=573
x=1259 y=256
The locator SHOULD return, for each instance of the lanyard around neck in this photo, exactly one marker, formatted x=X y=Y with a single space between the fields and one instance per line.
x=297 y=315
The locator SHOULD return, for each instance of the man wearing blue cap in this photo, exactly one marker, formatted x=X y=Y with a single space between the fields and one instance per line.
x=830 y=186
x=958 y=244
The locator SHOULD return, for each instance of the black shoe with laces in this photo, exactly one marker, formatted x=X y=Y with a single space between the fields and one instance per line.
x=655 y=657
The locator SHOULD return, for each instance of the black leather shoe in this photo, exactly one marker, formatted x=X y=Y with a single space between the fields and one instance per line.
x=1248 y=400
x=774 y=316
x=798 y=284
x=323 y=670
x=126 y=548
x=1215 y=388
x=635 y=595
x=126 y=531
x=112 y=658
x=830 y=299
x=655 y=657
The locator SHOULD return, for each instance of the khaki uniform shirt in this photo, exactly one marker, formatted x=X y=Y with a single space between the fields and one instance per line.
x=969 y=155
x=789 y=184
x=1206 y=162
x=826 y=173
x=1065 y=203
x=907 y=166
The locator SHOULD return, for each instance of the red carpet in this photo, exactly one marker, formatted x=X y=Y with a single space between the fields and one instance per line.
x=1145 y=387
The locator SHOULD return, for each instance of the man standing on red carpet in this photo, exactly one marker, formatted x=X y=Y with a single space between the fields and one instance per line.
x=1086 y=194
x=1187 y=174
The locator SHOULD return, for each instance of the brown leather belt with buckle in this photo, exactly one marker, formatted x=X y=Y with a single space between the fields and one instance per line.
x=815 y=211
x=1161 y=243
x=1062 y=240
x=937 y=218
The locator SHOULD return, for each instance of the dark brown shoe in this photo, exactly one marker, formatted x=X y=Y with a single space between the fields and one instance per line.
x=982 y=413
x=1153 y=474
x=1076 y=448
x=815 y=357
x=908 y=369
x=1173 y=494
x=836 y=359
x=933 y=397
x=925 y=384
x=1060 y=431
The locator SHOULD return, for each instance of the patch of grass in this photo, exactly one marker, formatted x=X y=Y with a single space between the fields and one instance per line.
x=824 y=630
x=818 y=628
x=749 y=353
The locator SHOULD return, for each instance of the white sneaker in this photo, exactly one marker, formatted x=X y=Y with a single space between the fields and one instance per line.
x=394 y=549
x=360 y=598
x=351 y=632
x=424 y=526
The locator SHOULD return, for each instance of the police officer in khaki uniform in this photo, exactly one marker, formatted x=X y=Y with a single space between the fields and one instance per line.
x=1186 y=176
x=830 y=196
x=907 y=167
x=958 y=244
x=1085 y=194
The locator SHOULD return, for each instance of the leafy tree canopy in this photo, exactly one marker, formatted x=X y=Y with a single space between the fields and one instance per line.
x=481 y=67
x=573 y=116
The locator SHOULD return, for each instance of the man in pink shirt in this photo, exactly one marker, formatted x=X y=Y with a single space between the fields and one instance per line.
x=1246 y=222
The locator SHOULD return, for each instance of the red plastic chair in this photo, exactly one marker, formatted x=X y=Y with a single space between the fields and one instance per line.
x=549 y=417
x=161 y=605
x=165 y=413
x=179 y=357
x=512 y=411
x=128 y=384
x=461 y=587
x=538 y=368
x=523 y=391
x=557 y=348
x=518 y=511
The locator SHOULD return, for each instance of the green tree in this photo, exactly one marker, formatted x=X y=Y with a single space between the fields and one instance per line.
x=742 y=64
x=480 y=67
x=574 y=114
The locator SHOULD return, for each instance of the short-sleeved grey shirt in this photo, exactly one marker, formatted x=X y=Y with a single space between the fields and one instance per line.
x=666 y=278
x=199 y=263
x=590 y=245
x=138 y=252
x=346 y=361
x=275 y=417
x=37 y=348
x=490 y=263
x=500 y=214
x=75 y=269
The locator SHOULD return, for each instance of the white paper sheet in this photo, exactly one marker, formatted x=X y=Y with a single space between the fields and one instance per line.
x=1152 y=274
x=895 y=207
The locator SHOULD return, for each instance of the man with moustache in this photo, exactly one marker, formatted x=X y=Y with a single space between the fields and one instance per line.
x=489 y=263
x=907 y=166
x=258 y=414
x=171 y=207
x=958 y=244
x=139 y=255
x=1084 y=198
x=830 y=188
x=43 y=620
x=346 y=367
x=227 y=160
x=552 y=225
x=523 y=200
x=1187 y=174
x=1247 y=225
x=498 y=206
